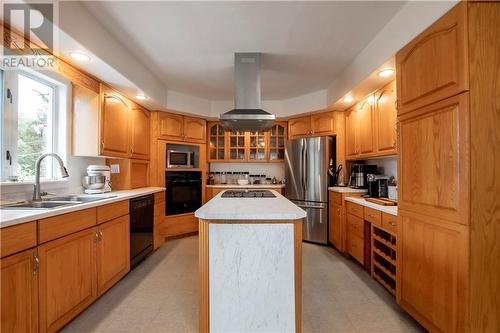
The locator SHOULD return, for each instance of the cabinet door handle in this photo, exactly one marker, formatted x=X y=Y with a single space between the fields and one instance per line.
x=100 y=235
x=96 y=240
x=36 y=264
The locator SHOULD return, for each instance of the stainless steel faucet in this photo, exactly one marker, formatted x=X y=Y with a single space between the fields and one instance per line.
x=37 y=195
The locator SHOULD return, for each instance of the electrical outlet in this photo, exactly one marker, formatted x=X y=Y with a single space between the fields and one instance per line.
x=115 y=168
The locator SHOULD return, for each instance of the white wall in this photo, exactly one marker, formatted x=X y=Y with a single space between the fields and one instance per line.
x=269 y=169
x=387 y=166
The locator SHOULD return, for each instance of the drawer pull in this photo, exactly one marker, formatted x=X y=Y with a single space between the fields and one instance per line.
x=394 y=224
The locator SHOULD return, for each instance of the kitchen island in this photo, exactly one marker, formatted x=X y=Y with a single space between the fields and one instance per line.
x=250 y=270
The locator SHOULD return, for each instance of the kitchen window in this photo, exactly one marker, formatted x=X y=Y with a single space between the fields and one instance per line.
x=29 y=124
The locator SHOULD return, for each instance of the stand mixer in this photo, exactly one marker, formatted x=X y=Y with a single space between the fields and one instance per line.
x=98 y=179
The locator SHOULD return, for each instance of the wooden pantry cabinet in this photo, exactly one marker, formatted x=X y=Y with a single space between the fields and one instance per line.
x=318 y=124
x=180 y=128
x=108 y=124
x=448 y=114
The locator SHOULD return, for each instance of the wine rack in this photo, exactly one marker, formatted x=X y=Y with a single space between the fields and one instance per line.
x=384 y=267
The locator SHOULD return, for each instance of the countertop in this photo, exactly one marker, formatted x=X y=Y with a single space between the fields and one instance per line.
x=278 y=208
x=247 y=186
x=345 y=189
x=13 y=217
x=392 y=210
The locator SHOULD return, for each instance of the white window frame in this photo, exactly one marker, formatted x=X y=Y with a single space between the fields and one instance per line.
x=9 y=124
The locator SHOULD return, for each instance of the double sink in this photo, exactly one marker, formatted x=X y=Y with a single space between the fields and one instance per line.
x=56 y=202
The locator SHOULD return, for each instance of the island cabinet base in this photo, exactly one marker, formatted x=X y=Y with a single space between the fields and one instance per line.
x=250 y=275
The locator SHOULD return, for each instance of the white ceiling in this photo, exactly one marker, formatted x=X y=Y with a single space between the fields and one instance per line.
x=189 y=46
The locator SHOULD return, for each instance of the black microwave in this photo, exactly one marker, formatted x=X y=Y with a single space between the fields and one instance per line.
x=180 y=159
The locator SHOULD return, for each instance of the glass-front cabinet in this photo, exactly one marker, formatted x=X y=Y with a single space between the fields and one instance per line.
x=230 y=145
x=277 y=139
x=217 y=142
x=257 y=146
x=237 y=145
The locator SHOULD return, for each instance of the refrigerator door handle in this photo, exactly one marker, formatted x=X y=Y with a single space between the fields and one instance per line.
x=304 y=163
x=312 y=207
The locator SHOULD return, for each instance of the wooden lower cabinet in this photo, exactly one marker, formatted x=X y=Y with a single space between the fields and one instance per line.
x=67 y=281
x=113 y=252
x=335 y=233
x=355 y=238
x=19 y=290
x=433 y=266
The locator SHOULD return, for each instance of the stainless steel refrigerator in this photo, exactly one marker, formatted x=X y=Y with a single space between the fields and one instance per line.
x=307 y=179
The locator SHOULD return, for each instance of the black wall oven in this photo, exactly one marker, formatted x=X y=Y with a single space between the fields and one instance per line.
x=183 y=193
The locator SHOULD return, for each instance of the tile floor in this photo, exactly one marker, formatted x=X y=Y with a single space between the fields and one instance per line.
x=161 y=295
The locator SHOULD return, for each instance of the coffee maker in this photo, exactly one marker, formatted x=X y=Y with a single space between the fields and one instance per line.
x=358 y=175
x=377 y=186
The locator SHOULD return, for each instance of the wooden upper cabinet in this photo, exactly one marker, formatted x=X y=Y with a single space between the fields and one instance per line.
x=365 y=119
x=257 y=146
x=385 y=118
x=115 y=113
x=139 y=127
x=181 y=128
x=108 y=124
x=113 y=252
x=322 y=124
x=433 y=66
x=299 y=127
x=237 y=144
x=170 y=126
x=19 y=301
x=351 y=133
x=216 y=141
x=433 y=266
x=277 y=141
x=67 y=280
x=195 y=129
x=434 y=151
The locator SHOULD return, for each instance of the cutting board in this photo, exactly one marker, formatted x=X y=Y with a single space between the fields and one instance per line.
x=382 y=201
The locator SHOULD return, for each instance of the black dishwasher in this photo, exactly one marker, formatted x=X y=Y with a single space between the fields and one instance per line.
x=141 y=228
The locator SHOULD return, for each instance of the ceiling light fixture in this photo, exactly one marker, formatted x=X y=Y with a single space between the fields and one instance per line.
x=348 y=98
x=141 y=97
x=386 y=72
x=79 y=56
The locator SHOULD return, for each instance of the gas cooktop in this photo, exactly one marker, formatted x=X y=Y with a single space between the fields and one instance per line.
x=248 y=194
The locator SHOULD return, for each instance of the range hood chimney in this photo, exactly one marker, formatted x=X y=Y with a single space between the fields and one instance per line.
x=247 y=114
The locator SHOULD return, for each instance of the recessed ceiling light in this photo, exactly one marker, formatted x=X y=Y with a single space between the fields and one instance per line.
x=386 y=72
x=140 y=96
x=79 y=56
x=348 y=98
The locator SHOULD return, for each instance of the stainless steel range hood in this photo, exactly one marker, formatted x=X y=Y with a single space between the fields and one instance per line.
x=247 y=114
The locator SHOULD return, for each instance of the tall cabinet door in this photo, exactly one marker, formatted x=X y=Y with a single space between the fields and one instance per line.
x=139 y=125
x=434 y=178
x=19 y=301
x=351 y=133
x=114 y=125
x=365 y=123
x=385 y=113
x=67 y=282
x=113 y=252
x=195 y=129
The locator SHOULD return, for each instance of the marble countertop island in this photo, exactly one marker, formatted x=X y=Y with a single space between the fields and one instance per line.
x=250 y=264
x=278 y=208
